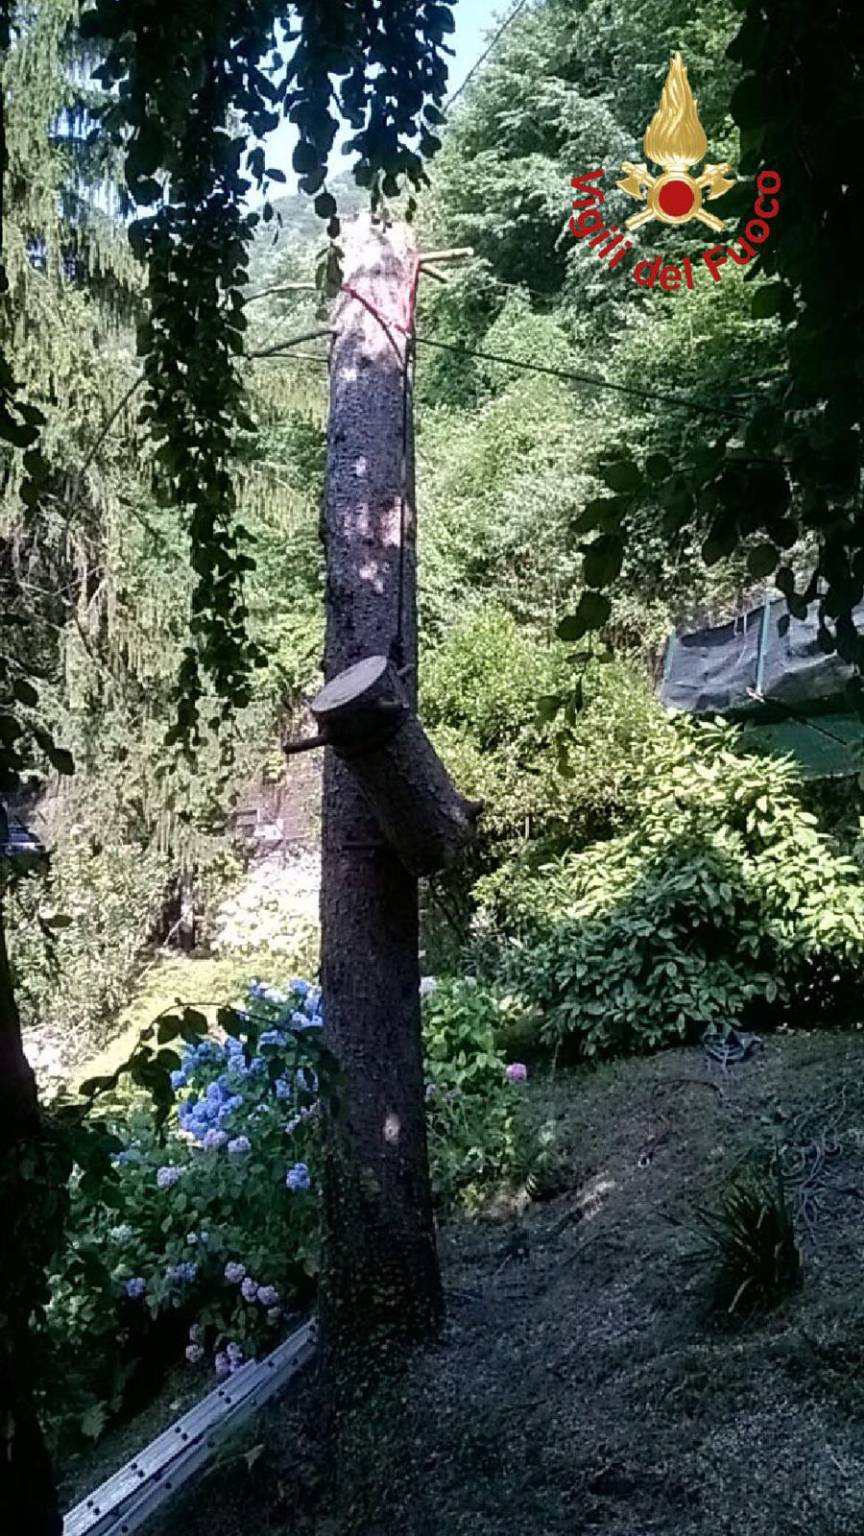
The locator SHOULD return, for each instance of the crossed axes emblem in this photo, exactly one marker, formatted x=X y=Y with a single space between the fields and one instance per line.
x=675 y=196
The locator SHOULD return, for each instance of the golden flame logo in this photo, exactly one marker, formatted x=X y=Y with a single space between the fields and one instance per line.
x=675 y=137
x=675 y=140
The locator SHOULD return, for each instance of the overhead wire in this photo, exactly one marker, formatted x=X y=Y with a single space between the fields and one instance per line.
x=714 y=407
x=517 y=10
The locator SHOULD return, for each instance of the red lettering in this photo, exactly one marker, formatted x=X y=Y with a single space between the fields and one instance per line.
x=592 y=194
x=588 y=223
x=652 y=268
x=758 y=207
x=762 y=181
x=750 y=231
x=670 y=277
x=713 y=259
x=688 y=271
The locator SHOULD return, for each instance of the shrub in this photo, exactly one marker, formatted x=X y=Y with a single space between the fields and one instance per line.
x=723 y=891
x=471 y=1104
x=557 y=775
x=204 y=1234
x=752 y=1238
x=164 y=1255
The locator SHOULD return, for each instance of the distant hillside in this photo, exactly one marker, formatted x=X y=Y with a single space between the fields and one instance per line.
x=297 y=230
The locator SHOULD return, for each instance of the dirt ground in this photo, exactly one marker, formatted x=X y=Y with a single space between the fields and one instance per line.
x=584 y=1386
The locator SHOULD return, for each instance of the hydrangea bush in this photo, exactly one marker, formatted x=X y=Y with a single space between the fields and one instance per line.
x=208 y=1233
x=203 y=1241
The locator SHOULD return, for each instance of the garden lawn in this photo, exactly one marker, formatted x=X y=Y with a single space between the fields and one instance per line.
x=583 y=1386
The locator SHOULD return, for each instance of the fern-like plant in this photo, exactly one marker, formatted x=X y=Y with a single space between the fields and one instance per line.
x=752 y=1236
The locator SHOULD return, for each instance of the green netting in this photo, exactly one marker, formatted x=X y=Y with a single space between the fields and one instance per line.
x=825 y=746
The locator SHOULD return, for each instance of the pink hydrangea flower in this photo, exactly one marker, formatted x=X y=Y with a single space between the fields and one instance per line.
x=517 y=1072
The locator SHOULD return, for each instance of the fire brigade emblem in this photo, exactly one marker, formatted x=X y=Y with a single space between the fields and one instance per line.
x=675 y=140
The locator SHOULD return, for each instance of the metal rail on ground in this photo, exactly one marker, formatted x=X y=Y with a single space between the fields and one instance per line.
x=139 y=1490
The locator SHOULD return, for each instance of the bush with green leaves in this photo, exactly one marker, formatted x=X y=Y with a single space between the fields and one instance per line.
x=722 y=892
x=554 y=746
x=472 y=1103
x=200 y=1235
x=203 y=1234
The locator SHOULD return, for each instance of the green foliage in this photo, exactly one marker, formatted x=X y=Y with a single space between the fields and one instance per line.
x=471 y=1107
x=72 y=979
x=172 y=1232
x=195 y=95
x=751 y=1238
x=723 y=891
x=784 y=485
x=553 y=747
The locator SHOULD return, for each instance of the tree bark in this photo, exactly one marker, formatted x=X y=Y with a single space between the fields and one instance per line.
x=380 y=1284
x=28 y=1495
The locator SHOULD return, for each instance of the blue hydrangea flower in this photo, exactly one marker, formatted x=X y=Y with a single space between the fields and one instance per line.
x=194 y=1353
x=235 y=1354
x=240 y=1144
x=214 y=1139
x=272 y=1037
x=268 y=1295
x=136 y=1286
x=249 y=1288
x=234 y=1273
x=297 y=1177
x=165 y=1177
x=178 y=1079
x=297 y=984
x=281 y=1088
x=185 y=1272
x=221 y=1364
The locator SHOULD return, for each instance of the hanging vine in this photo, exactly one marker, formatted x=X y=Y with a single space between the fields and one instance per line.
x=195 y=92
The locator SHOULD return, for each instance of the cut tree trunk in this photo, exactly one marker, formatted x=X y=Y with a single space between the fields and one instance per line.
x=380 y=1284
x=365 y=716
x=28 y=1496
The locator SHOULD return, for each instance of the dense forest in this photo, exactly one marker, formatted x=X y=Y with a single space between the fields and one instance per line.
x=234 y=1127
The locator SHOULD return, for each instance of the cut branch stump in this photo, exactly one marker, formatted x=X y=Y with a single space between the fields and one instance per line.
x=365 y=715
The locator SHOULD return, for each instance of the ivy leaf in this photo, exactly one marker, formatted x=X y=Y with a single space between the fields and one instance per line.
x=592 y=612
x=601 y=512
x=603 y=560
x=325 y=205
x=548 y=706
x=762 y=560
x=624 y=476
x=773 y=299
x=658 y=467
x=24 y=692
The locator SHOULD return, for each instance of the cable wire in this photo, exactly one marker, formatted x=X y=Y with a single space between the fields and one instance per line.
x=570 y=374
x=517 y=9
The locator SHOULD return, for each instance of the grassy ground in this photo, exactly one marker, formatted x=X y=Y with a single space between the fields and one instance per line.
x=585 y=1387
x=206 y=982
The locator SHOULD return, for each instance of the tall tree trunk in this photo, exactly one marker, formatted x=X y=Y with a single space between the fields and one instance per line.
x=28 y=1496
x=380 y=1285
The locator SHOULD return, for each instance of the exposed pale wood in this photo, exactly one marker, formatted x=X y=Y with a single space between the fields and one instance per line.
x=450 y=253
